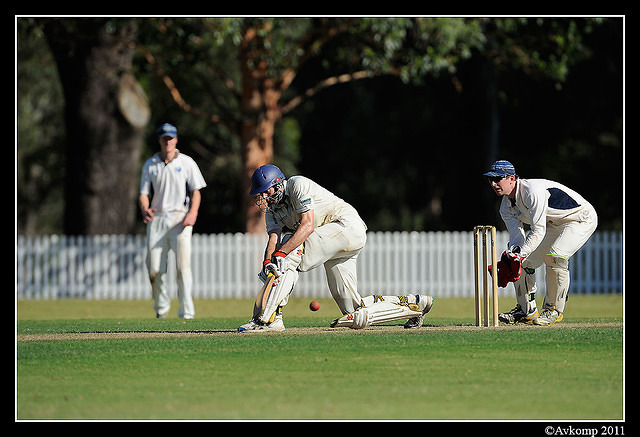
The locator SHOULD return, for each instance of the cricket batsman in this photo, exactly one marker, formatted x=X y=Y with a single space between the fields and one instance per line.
x=560 y=222
x=309 y=226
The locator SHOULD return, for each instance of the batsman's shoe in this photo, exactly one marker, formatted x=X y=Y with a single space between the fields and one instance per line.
x=549 y=316
x=517 y=315
x=425 y=303
x=256 y=326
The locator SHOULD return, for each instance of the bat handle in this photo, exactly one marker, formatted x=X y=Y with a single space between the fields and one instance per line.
x=272 y=270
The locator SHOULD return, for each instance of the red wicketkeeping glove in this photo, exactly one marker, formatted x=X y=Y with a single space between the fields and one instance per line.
x=504 y=272
x=515 y=264
x=509 y=268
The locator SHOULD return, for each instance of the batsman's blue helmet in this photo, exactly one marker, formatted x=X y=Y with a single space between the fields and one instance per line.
x=264 y=178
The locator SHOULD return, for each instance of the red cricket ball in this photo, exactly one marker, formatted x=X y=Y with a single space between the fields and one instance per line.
x=314 y=306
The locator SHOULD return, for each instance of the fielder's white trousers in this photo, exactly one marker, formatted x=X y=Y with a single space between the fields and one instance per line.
x=165 y=233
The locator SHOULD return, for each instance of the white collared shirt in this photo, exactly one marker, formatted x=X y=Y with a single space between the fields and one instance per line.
x=538 y=203
x=301 y=194
x=169 y=185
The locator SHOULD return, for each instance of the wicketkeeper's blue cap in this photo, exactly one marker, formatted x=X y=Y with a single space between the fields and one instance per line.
x=167 y=130
x=501 y=168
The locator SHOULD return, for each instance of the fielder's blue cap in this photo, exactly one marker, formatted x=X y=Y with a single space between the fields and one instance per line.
x=501 y=168
x=167 y=130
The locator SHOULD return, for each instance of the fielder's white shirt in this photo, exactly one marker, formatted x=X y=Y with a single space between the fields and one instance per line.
x=301 y=194
x=169 y=185
x=538 y=203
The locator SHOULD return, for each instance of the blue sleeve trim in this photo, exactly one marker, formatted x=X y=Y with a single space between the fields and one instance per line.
x=561 y=200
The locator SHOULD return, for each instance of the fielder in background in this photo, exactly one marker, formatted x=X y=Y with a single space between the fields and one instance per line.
x=169 y=201
x=560 y=222
x=308 y=226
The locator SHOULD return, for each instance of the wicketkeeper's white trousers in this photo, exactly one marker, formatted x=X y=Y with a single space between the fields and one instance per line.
x=165 y=233
x=560 y=243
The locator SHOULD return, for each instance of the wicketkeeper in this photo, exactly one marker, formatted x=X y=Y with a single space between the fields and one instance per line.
x=560 y=221
x=309 y=226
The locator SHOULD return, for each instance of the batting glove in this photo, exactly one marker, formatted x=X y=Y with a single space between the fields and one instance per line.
x=279 y=259
x=268 y=267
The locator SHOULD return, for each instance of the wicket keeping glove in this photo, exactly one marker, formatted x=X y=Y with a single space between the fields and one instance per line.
x=504 y=271
x=509 y=267
x=515 y=260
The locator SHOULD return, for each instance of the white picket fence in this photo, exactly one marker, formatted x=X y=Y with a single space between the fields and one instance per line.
x=226 y=266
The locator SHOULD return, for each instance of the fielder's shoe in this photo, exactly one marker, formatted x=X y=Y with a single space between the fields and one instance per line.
x=257 y=326
x=549 y=316
x=516 y=315
x=424 y=302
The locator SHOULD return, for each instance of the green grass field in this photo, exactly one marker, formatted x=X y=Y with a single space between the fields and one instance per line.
x=84 y=360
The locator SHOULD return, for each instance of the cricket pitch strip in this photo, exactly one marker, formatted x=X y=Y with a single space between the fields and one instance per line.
x=319 y=330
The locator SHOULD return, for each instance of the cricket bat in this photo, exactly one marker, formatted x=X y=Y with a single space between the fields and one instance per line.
x=263 y=295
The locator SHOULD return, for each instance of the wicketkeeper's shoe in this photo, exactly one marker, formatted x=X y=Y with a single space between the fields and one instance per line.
x=517 y=315
x=425 y=303
x=549 y=316
x=257 y=326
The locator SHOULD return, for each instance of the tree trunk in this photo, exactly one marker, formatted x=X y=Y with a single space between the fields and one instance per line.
x=490 y=134
x=105 y=115
x=260 y=113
